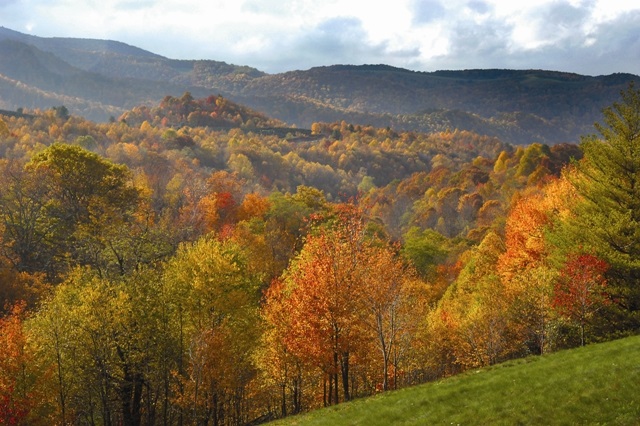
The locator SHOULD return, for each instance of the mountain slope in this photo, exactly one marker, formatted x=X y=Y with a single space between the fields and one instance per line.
x=596 y=384
x=32 y=78
x=119 y=60
x=519 y=106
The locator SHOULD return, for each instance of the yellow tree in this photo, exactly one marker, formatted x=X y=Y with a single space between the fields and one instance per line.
x=214 y=300
x=386 y=298
x=104 y=341
x=69 y=206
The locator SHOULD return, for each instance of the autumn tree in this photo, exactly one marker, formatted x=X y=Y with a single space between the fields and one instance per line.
x=108 y=347
x=4 y=129
x=28 y=235
x=69 y=206
x=473 y=314
x=580 y=291
x=325 y=292
x=286 y=223
x=525 y=270
x=346 y=292
x=386 y=300
x=213 y=300
x=16 y=382
x=280 y=367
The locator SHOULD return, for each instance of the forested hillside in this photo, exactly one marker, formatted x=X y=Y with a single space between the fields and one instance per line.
x=198 y=262
x=99 y=79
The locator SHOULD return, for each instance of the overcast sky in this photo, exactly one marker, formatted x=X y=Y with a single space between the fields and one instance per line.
x=590 y=37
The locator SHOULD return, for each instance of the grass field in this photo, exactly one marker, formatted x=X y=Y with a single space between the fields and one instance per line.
x=594 y=385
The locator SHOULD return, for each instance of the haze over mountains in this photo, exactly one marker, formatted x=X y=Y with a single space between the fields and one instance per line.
x=101 y=79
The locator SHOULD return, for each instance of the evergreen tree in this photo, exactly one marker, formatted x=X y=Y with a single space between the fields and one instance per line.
x=608 y=179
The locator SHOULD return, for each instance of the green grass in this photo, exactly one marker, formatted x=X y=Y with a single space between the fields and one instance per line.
x=595 y=385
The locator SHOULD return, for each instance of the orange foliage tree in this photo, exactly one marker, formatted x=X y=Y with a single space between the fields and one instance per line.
x=17 y=395
x=526 y=267
x=345 y=298
x=580 y=291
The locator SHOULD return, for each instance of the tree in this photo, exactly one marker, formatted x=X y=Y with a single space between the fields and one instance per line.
x=326 y=284
x=214 y=303
x=61 y=112
x=526 y=268
x=580 y=291
x=473 y=314
x=71 y=206
x=28 y=235
x=111 y=348
x=14 y=384
x=425 y=249
x=608 y=180
x=79 y=178
x=346 y=296
x=4 y=129
x=23 y=396
x=325 y=291
x=280 y=367
x=386 y=299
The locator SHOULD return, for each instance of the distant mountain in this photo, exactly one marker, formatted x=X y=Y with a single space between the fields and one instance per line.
x=34 y=78
x=101 y=78
x=517 y=106
x=119 y=60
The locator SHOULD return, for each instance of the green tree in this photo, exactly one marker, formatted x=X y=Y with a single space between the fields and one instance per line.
x=70 y=206
x=425 y=249
x=26 y=231
x=608 y=180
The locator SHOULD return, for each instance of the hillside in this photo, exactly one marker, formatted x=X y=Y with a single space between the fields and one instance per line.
x=32 y=78
x=597 y=384
x=101 y=78
x=517 y=106
x=197 y=262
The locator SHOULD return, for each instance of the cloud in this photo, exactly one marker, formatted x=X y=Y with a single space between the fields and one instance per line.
x=426 y=11
x=279 y=8
x=479 y=6
x=475 y=45
x=564 y=39
x=558 y=22
x=334 y=41
x=589 y=36
x=135 y=4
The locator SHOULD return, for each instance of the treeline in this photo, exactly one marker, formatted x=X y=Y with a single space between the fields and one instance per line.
x=158 y=271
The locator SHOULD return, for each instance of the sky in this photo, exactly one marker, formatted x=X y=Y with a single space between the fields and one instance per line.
x=591 y=37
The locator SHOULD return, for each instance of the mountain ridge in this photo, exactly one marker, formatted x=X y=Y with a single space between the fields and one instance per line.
x=519 y=106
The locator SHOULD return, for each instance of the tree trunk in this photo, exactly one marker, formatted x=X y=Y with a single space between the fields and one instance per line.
x=136 y=405
x=385 y=372
x=326 y=396
x=283 y=406
x=344 y=366
x=335 y=377
x=297 y=395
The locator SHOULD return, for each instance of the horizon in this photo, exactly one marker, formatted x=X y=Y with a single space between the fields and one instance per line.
x=316 y=66
x=586 y=37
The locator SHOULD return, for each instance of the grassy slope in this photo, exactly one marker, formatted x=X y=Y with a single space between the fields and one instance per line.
x=597 y=384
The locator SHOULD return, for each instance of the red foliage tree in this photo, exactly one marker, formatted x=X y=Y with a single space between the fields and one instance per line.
x=14 y=384
x=580 y=291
